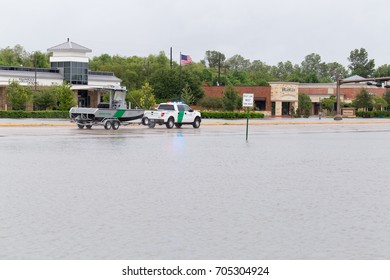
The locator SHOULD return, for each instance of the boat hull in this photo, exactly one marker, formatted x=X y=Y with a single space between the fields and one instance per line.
x=100 y=114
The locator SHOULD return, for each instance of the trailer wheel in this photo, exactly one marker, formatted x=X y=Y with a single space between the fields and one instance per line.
x=152 y=124
x=115 y=125
x=80 y=126
x=170 y=123
x=108 y=125
x=88 y=126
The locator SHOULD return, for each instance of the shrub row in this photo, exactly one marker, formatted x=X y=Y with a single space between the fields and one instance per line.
x=373 y=114
x=18 y=114
x=230 y=115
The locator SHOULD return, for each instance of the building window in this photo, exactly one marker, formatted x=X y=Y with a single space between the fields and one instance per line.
x=260 y=105
x=75 y=73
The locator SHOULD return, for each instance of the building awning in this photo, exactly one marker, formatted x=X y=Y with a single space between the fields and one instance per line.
x=97 y=87
x=85 y=87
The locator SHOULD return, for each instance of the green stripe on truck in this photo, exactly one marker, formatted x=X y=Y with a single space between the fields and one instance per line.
x=180 y=116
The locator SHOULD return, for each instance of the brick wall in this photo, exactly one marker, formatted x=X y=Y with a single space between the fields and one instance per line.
x=349 y=92
x=307 y=90
x=260 y=93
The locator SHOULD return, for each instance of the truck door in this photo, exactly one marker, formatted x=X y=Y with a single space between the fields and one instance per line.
x=188 y=116
x=180 y=114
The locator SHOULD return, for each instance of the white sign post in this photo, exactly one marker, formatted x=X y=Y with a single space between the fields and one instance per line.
x=247 y=101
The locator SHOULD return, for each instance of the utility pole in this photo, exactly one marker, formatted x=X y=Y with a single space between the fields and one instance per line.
x=338 y=116
x=219 y=69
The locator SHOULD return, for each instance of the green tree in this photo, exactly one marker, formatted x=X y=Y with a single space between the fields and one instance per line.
x=17 y=56
x=238 y=63
x=383 y=71
x=287 y=72
x=360 y=64
x=147 y=100
x=312 y=64
x=304 y=104
x=386 y=96
x=18 y=95
x=214 y=103
x=239 y=78
x=215 y=58
x=283 y=71
x=231 y=98
x=334 y=69
x=45 y=98
x=134 y=97
x=166 y=83
x=379 y=103
x=186 y=95
x=328 y=103
x=38 y=60
x=65 y=97
x=260 y=73
x=363 y=100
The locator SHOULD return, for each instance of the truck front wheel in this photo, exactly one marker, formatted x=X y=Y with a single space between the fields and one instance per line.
x=145 y=121
x=196 y=122
x=170 y=123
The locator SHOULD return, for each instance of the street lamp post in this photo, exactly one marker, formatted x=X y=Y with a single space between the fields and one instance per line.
x=338 y=116
x=35 y=71
x=320 y=109
x=35 y=78
x=379 y=83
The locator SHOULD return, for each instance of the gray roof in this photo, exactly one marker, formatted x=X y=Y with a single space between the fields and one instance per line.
x=29 y=74
x=102 y=78
x=69 y=46
x=353 y=78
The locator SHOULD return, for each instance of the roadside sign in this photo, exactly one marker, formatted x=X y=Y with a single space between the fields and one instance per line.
x=247 y=100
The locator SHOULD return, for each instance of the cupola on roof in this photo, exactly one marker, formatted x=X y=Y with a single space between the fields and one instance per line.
x=69 y=46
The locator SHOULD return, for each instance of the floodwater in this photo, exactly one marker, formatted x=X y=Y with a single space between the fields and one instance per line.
x=291 y=192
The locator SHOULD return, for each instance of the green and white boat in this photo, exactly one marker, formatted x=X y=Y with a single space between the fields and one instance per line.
x=110 y=115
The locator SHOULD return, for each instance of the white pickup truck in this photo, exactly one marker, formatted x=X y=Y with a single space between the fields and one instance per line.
x=172 y=114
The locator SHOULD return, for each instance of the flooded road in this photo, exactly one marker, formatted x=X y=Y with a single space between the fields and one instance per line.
x=291 y=192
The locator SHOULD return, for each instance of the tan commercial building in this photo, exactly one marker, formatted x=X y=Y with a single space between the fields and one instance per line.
x=284 y=97
x=281 y=97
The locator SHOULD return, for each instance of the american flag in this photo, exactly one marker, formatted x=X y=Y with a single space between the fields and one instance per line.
x=185 y=59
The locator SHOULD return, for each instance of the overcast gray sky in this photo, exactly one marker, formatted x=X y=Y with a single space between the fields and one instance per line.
x=270 y=31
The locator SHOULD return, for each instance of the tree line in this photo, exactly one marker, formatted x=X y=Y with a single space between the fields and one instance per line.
x=169 y=81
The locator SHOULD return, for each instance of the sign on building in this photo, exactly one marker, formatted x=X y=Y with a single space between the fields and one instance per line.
x=247 y=100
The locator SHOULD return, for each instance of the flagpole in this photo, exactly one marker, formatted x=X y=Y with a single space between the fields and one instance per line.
x=180 y=77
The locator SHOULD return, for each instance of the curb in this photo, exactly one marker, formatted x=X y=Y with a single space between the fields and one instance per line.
x=208 y=123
